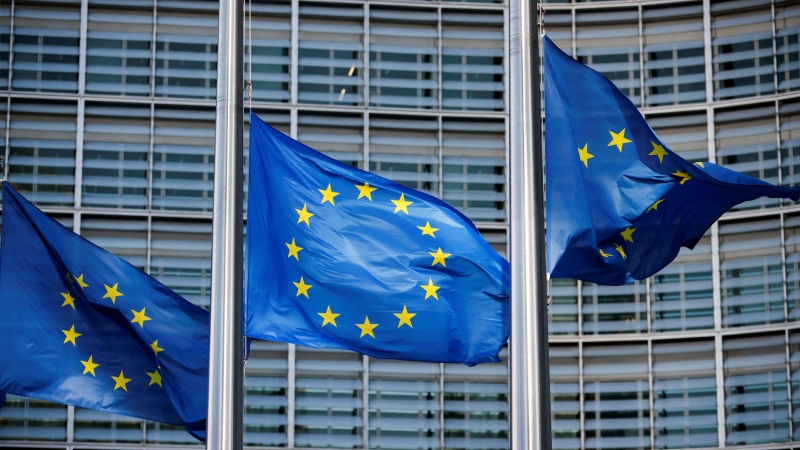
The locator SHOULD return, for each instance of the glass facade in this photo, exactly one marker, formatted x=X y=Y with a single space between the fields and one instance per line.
x=107 y=122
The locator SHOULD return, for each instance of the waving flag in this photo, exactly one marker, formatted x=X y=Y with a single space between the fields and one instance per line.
x=341 y=258
x=83 y=327
x=620 y=203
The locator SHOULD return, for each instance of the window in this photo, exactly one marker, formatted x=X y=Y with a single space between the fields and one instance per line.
x=265 y=394
x=614 y=309
x=46 y=47
x=685 y=394
x=791 y=227
x=403 y=58
x=124 y=237
x=752 y=273
x=565 y=397
x=186 y=50
x=608 y=41
x=180 y=258
x=756 y=395
x=686 y=134
x=329 y=399
x=118 y=52
x=790 y=142
x=472 y=60
x=794 y=359
x=5 y=39
x=474 y=168
x=674 y=64
x=746 y=142
x=563 y=310
x=339 y=136
x=271 y=38
x=330 y=66
x=787 y=24
x=116 y=156
x=406 y=150
x=41 y=165
x=741 y=42
x=403 y=404
x=29 y=419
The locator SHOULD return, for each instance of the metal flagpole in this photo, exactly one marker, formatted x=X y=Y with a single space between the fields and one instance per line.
x=529 y=374
x=225 y=395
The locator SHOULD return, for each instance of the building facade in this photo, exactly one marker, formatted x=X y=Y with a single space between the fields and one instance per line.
x=108 y=125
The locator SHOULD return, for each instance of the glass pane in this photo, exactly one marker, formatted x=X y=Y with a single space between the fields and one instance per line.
x=746 y=142
x=265 y=394
x=406 y=150
x=787 y=24
x=685 y=133
x=340 y=136
x=563 y=312
x=403 y=58
x=46 y=47
x=792 y=247
x=674 y=63
x=124 y=237
x=472 y=60
x=752 y=273
x=474 y=168
x=614 y=309
x=100 y=426
x=41 y=165
x=685 y=394
x=27 y=419
x=756 y=393
x=741 y=42
x=181 y=258
x=331 y=52
x=5 y=38
x=116 y=156
x=565 y=397
x=118 y=52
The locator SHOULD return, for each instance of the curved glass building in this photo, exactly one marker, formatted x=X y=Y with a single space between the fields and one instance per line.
x=107 y=122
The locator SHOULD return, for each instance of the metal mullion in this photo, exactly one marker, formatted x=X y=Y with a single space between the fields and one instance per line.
x=365 y=150
x=365 y=403
x=641 y=59
x=295 y=51
x=579 y=298
x=441 y=159
x=651 y=393
x=441 y=406
x=648 y=289
x=720 y=391
x=365 y=56
x=506 y=68
x=151 y=157
x=82 y=47
x=789 y=385
x=774 y=54
x=581 y=397
x=79 y=154
x=293 y=123
x=784 y=274
x=8 y=138
x=291 y=399
x=153 y=54
x=439 y=57
x=574 y=32
x=70 y=424
x=11 y=40
x=708 y=52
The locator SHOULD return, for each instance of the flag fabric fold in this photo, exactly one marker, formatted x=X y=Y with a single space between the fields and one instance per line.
x=341 y=258
x=620 y=203
x=83 y=327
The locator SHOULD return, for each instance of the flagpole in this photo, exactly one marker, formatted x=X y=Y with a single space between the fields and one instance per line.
x=225 y=395
x=529 y=372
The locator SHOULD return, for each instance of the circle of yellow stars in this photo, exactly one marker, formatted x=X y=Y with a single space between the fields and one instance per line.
x=139 y=317
x=401 y=205
x=618 y=140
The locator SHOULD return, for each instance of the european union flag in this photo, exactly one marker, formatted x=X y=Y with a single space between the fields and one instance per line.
x=83 y=327
x=341 y=258
x=620 y=203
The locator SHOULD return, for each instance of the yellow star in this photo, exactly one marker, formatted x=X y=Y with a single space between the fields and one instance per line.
x=89 y=366
x=328 y=195
x=155 y=378
x=428 y=229
x=113 y=293
x=156 y=348
x=139 y=317
x=68 y=299
x=293 y=250
x=121 y=381
x=683 y=176
x=401 y=204
x=628 y=234
x=618 y=139
x=604 y=254
x=304 y=215
x=81 y=282
x=701 y=164
x=405 y=317
x=621 y=251
x=302 y=287
x=328 y=317
x=654 y=206
x=584 y=155
x=659 y=151
x=366 y=328
x=438 y=257
x=365 y=191
x=71 y=335
x=430 y=289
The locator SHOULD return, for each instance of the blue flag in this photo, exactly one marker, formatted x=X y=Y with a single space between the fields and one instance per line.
x=620 y=203
x=341 y=258
x=83 y=327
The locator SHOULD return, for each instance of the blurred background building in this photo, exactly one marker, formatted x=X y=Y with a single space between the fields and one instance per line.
x=107 y=119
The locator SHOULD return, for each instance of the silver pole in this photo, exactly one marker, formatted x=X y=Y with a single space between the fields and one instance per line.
x=529 y=375
x=225 y=395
